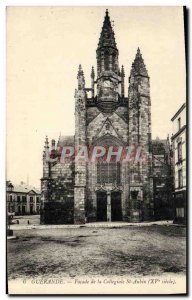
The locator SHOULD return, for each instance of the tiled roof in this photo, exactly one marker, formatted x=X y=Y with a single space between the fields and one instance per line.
x=23 y=188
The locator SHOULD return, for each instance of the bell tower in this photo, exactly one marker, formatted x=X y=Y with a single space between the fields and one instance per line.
x=139 y=105
x=108 y=75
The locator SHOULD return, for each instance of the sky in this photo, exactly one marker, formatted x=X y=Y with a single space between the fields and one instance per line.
x=45 y=45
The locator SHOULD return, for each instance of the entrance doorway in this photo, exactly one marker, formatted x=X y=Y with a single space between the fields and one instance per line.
x=101 y=206
x=116 y=210
x=31 y=209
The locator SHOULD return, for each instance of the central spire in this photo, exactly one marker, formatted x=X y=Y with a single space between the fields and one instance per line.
x=107 y=37
x=107 y=52
x=108 y=75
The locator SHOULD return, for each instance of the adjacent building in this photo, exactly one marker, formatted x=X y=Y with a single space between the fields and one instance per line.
x=163 y=182
x=105 y=115
x=179 y=161
x=22 y=199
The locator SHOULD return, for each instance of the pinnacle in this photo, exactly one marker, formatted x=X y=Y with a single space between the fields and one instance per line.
x=46 y=142
x=138 y=55
x=80 y=77
x=80 y=71
x=122 y=71
x=92 y=72
x=138 y=66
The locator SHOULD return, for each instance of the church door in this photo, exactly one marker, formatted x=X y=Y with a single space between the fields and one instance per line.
x=116 y=210
x=101 y=206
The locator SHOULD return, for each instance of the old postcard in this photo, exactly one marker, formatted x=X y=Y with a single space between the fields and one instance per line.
x=96 y=150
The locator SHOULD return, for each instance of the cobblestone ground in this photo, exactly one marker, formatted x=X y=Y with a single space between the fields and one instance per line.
x=133 y=250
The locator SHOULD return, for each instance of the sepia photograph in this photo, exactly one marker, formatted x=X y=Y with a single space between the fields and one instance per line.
x=96 y=144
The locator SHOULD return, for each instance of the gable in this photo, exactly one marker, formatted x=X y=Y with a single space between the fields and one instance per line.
x=107 y=129
x=107 y=124
x=32 y=192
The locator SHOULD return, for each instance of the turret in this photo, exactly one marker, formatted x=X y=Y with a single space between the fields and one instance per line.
x=80 y=78
x=80 y=93
x=80 y=140
x=46 y=159
x=53 y=150
x=139 y=98
x=46 y=148
x=140 y=135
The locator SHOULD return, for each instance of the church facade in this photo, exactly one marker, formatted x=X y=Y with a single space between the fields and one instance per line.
x=80 y=191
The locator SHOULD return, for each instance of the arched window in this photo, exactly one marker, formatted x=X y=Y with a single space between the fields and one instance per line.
x=108 y=172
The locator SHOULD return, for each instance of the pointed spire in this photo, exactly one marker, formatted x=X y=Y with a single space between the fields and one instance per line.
x=107 y=37
x=80 y=71
x=46 y=148
x=53 y=150
x=81 y=78
x=138 y=66
x=92 y=73
x=122 y=71
x=46 y=143
x=138 y=52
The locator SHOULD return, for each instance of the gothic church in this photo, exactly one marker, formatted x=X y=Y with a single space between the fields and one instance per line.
x=79 y=192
